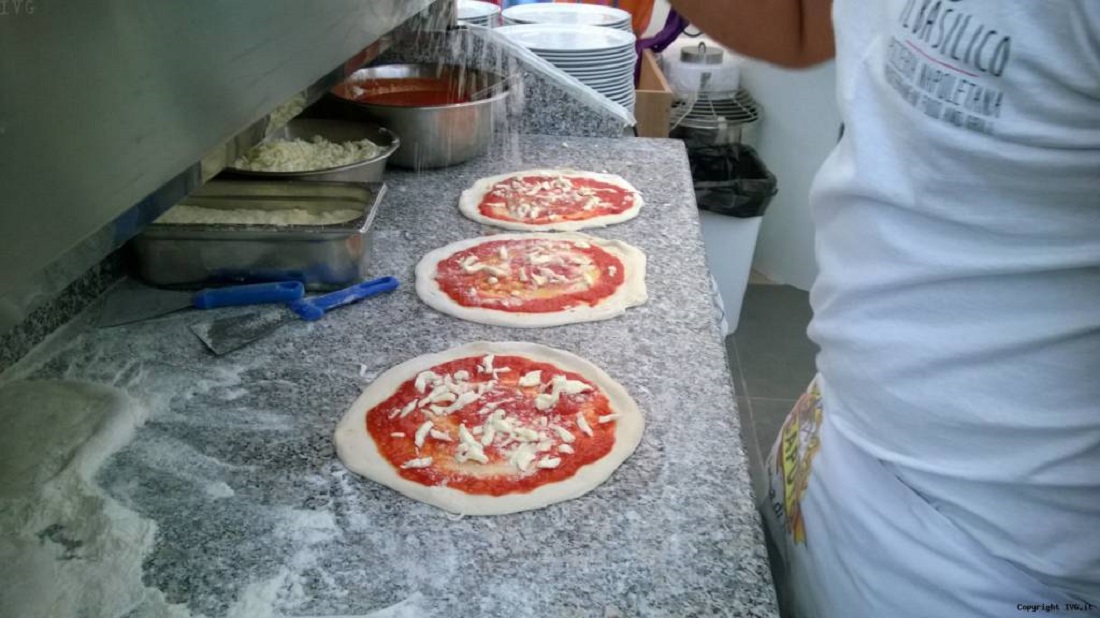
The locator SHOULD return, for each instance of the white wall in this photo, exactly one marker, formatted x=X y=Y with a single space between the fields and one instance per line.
x=799 y=127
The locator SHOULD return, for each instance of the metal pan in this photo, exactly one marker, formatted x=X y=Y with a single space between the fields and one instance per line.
x=336 y=131
x=189 y=256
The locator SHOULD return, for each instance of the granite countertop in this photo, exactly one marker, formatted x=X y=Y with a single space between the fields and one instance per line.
x=237 y=468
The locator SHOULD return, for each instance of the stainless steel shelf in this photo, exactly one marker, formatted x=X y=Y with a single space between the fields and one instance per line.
x=111 y=111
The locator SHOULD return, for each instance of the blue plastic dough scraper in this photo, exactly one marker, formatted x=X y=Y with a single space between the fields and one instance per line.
x=133 y=302
x=224 y=335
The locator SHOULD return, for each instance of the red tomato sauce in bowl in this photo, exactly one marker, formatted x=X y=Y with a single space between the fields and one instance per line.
x=404 y=92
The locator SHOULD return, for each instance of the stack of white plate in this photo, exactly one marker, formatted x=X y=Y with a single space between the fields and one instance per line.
x=568 y=15
x=601 y=58
x=477 y=13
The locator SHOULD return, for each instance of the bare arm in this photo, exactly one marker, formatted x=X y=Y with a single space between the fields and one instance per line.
x=790 y=33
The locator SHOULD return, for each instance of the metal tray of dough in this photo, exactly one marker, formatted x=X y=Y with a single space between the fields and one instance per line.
x=322 y=257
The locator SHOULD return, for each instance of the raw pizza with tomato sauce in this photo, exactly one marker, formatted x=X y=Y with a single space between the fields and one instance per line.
x=491 y=428
x=533 y=280
x=549 y=200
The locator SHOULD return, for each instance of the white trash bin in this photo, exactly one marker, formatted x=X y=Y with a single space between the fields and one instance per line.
x=730 y=243
x=733 y=189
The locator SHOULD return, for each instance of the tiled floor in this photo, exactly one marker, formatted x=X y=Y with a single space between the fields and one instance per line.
x=772 y=361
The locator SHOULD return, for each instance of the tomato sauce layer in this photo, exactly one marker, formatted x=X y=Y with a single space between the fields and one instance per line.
x=530 y=276
x=406 y=92
x=543 y=200
x=499 y=475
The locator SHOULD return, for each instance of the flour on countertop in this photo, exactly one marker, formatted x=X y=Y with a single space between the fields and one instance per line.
x=266 y=414
x=69 y=549
x=66 y=548
x=184 y=214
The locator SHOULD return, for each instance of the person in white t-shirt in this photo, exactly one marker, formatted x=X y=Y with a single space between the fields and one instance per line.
x=946 y=459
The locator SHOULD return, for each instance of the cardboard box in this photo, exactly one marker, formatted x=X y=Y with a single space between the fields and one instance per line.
x=654 y=99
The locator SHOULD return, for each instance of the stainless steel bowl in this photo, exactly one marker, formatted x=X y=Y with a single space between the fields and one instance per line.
x=433 y=136
x=336 y=131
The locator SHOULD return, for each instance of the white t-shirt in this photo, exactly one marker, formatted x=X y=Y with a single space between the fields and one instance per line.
x=958 y=239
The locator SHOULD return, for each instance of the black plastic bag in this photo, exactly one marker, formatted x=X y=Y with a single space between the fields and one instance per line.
x=730 y=179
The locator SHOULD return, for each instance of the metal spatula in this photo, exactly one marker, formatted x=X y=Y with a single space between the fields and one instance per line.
x=227 y=334
x=134 y=302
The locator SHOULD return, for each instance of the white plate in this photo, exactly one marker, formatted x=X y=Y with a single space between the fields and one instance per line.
x=627 y=69
x=476 y=11
x=624 y=63
x=569 y=14
x=589 y=57
x=601 y=77
x=554 y=38
x=615 y=93
x=621 y=95
x=625 y=26
x=484 y=23
x=600 y=55
x=608 y=52
x=616 y=84
x=620 y=74
x=627 y=101
x=609 y=64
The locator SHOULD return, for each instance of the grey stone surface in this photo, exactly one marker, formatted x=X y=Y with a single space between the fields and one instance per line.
x=58 y=310
x=237 y=466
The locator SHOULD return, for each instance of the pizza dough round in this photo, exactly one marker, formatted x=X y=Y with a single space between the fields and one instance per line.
x=358 y=452
x=471 y=198
x=630 y=294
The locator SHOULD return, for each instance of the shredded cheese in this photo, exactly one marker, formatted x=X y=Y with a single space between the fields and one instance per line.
x=486 y=365
x=563 y=433
x=422 y=433
x=523 y=456
x=582 y=424
x=423 y=379
x=549 y=463
x=463 y=400
x=525 y=434
x=488 y=435
x=299 y=155
x=417 y=463
x=544 y=402
x=470 y=448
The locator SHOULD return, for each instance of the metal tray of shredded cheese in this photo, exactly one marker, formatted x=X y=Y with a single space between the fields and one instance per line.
x=232 y=232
